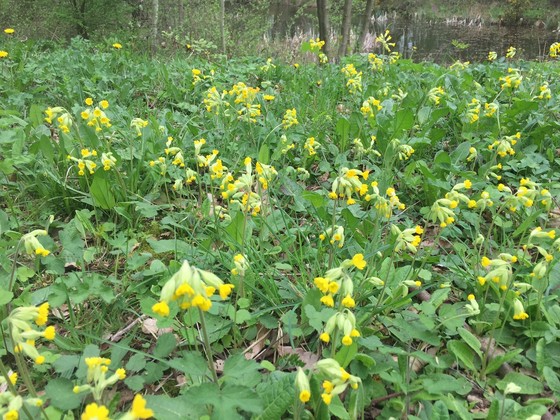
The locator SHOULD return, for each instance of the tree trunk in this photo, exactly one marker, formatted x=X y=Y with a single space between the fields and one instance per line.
x=181 y=15
x=223 y=24
x=155 y=19
x=345 y=30
x=364 y=26
x=323 y=18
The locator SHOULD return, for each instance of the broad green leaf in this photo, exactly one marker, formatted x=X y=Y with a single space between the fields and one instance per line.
x=60 y=394
x=498 y=361
x=551 y=379
x=240 y=371
x=463 y=352
x=102 y=192
x=167 y=408
x=527 y=384
x=277 y=396
x=346 y=354
x=166 y=343
x=227 y=401
x=471 y=340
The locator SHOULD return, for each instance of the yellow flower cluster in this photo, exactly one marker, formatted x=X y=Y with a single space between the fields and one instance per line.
x=338 y=279
x=335 y=235
x=499 y=270
x=336 y=380
x=473 y=111
x=554 y=49
x=191 y=287
x=512 y=80
x=369 y=106
x=97 y=380
x=316 y=44
x=95 y=116
x=311 y=146
x=384 y=39
x=375 y=61
x=63 y=118
x=353 y=78
x=32 y=244
x=24 y=335
x=435 y=94
x=503 y=146
x=290 y=118
x=407 y=239
x=138 y=411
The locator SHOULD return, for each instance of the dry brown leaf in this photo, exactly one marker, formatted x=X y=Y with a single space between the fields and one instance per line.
x=308 y=358
x=149 y=326
x=257 y=346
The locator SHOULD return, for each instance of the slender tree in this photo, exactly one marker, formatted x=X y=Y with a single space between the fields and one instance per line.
x=345 y=29
x=323 y=17
x=365 y=24
x=155 y=19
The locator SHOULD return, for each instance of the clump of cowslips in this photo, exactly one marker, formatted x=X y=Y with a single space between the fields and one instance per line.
x=335 y=380
x=338 y=279
x=499 y=270
x=97 y=379
x=138 y=411
x=191 y=287
x=11 y=402
x=23 y=322
x=343 y=322
x=32 y=244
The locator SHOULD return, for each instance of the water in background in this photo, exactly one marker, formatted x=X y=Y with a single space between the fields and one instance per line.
x=427 y=40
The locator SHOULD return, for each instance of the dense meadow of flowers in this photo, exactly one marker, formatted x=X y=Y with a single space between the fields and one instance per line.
x=183 y=238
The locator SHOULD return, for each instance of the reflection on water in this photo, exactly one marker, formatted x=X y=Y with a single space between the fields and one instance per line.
x=430 y=40
x=433 y=40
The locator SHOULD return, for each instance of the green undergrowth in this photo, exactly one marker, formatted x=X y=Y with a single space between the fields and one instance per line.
x=187 y=238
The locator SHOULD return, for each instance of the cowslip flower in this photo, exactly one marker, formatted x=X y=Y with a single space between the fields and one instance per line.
x=302 y=385
x=3 y=54
x=117 y=46
x=95 y=412
x=32 y=244
x=138 y=411
x=290 y=118
x=9 y=31
x=492 y=55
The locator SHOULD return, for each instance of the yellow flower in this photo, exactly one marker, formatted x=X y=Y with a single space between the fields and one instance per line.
x=9 y=31
x=40 y=360
x=95 y=412
x=358 y=261
x=49 y=333
x=348 y=302
x=268 y=97
x=104 y=104
x=327 y=398
x=89 y=101
x=117 y=46
x=325 y=337
x=3 y=54
x=346 y=340
x=485 y=261
x=11 y=415
x=304 y=396
x=139 y=410
x=161 y=308
x=121 y=373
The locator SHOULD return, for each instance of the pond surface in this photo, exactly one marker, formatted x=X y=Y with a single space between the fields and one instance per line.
x=433 y=40
x=427 y=40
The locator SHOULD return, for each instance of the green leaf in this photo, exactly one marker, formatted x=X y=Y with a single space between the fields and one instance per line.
x=346 y=354
x=166 y=343
x=60 y=394
x=471 y=340
x=527 y=384
x=134 y=382
x=317 y=200
x=5 y=296
x=439 y=411
x=551 y=379
x=167 y=408
x=240 y=371
x=264 y=154
x=498 y=361
x=102 y=192
x=343 y=131
x=226 y=401
x=337 y=408
x=136 y=363
x=277 y=397
x=463 y=352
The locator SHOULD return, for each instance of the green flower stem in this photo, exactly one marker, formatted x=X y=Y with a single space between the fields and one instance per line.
x=207 y=347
